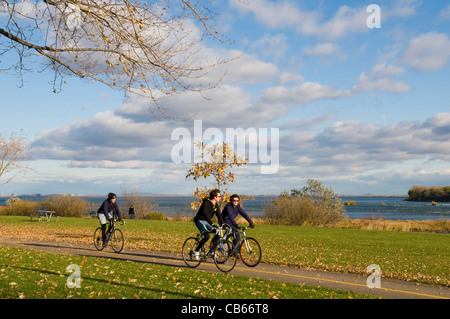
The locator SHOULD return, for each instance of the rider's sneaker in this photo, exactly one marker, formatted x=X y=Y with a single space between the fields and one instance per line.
x=196 y=255
x=210 y=254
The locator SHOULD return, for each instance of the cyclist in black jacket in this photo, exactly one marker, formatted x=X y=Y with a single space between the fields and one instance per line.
x=203 y=220
x=106 y=212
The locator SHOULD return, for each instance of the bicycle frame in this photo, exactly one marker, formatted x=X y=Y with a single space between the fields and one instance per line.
x=250 y=247
x=221 y=254
x=113 y=233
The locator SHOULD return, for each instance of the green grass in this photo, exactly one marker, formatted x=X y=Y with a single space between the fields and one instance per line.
x=30 y=274
x=412 y=256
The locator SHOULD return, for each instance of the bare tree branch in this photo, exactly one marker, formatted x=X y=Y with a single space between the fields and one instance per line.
x=13 y=154
x=152 y=50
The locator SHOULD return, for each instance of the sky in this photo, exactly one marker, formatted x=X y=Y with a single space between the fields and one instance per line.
x=362 y=107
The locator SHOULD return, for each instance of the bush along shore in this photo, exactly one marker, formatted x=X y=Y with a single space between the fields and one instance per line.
x=429 y=194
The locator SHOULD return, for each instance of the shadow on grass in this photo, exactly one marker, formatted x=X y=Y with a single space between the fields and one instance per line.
x=108 y=282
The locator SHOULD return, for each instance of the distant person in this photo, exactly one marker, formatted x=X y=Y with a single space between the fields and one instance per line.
x=229 y=214
x=203 y=221
x=107 y=211
x=131 y=212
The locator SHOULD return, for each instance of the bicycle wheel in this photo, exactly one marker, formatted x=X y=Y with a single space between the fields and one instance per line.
x=117 y=240
x=188 y=247
x=98 y=242
x=225 y=256
x=250 y=251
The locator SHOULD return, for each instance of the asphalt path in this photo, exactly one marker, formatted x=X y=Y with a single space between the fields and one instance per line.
x=390 y=289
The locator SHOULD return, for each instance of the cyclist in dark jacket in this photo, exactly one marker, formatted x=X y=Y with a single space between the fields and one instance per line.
x=203 y=220
x=229 y=214
x=106 y=212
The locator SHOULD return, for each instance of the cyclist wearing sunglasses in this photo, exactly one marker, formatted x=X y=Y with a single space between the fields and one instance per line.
x=229 y=214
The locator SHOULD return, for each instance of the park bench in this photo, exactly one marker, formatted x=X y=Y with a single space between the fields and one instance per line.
x=47 y=214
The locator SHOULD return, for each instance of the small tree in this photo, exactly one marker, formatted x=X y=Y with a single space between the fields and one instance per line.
x=216 y=162
x=143 y=206
x=314 y=204
x=13 y=154
x=66 y=205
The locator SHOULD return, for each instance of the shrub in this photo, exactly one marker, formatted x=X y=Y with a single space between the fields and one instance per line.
x=155 y=216
x=19 y=207
x=143 y=205
x=433 y=193
x=314 y=205
x=66 y=205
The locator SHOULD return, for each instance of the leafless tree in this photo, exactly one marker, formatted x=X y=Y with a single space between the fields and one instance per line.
x=147 y=49
x=13 y=155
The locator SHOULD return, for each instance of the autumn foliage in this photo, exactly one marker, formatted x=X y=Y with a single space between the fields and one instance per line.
x=216 y=162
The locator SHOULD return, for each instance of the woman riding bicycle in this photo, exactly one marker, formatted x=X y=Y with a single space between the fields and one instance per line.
x=106 y=212
x=230 y=212
x=203 y=220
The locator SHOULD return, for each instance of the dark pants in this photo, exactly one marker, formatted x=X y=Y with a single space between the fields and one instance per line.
x=104 y=231
x=237 y=237
x=205 y=228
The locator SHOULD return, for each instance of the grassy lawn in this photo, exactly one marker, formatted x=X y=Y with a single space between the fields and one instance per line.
x=421 y=257
x=29 y=274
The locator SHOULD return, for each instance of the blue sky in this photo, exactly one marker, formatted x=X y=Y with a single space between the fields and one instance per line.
x=363 y=110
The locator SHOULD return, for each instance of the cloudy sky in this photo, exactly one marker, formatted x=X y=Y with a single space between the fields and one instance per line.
x=364 y=110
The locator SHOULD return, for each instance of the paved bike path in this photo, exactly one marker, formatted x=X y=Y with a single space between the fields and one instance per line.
x=391 y=289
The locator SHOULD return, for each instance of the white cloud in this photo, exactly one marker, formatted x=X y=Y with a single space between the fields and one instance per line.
x=287 y=15
x=402 y=9
x=380 y=78
x=288 y=77
x=300 y=94
x=272 y=45
x=349 y=146
x=321 y=49
x=282 y=14
x=444 y=14
x=428 y=52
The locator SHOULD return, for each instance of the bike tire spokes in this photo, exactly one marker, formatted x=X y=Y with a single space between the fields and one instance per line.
x=187 y=251
x=250 y=252
x=98 y=242
x=117 y=240
x=225 y=256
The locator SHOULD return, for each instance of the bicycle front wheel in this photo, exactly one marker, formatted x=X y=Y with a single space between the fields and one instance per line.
x=117 y=240
x=250 y=251
x=225 y=256
x=187 y=251
x=98 y=242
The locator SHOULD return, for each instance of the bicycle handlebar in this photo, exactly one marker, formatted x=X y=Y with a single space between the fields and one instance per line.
x=245 y=227
x=115 y=220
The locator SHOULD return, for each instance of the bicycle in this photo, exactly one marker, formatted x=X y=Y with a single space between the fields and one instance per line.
x=114 y=236
x=249 y=249
x=223 y=255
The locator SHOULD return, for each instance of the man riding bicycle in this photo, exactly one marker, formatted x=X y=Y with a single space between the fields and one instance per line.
x=203 y=220
x=106 y=212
